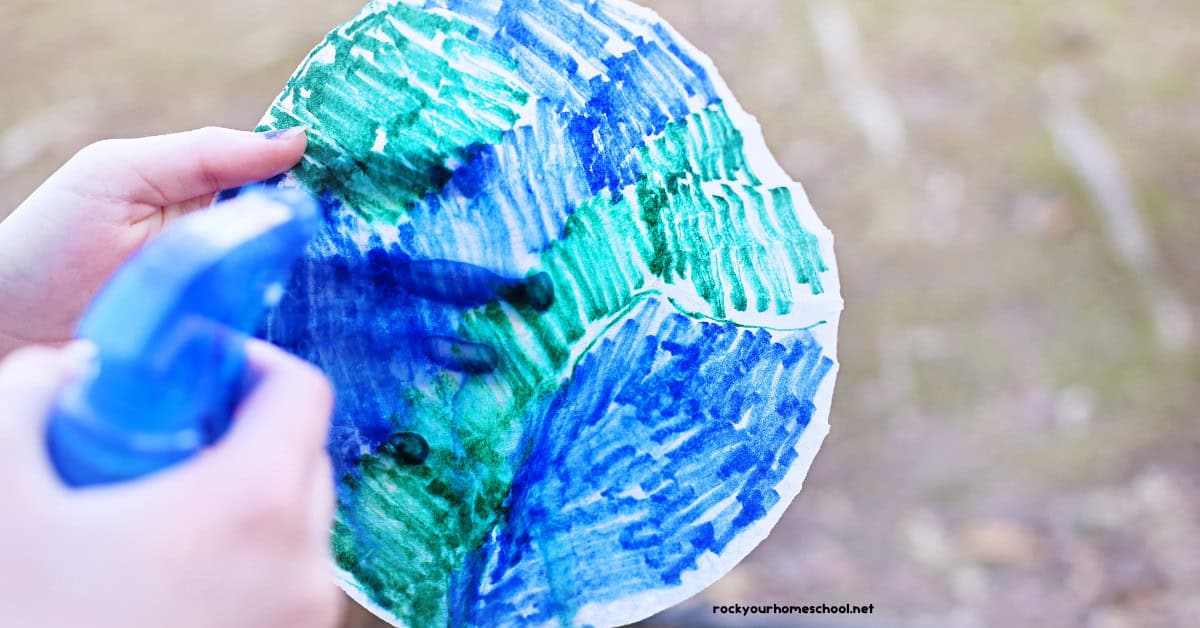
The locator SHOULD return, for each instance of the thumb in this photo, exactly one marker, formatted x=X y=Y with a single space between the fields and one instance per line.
x=280 y=429
x=30 y=378
x=166 y=169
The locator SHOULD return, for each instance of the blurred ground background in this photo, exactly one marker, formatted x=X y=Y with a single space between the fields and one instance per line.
x=1013 y=186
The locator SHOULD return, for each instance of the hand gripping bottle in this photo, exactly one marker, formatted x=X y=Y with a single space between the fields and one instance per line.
x=169 y=330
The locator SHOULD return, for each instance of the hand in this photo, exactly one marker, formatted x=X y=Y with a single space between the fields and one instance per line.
x=236 y=537
x=71 y=234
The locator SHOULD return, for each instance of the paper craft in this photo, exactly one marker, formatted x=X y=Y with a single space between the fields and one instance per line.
x=581 y=324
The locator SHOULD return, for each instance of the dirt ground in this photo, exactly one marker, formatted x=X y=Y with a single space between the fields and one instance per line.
x=1013 y=187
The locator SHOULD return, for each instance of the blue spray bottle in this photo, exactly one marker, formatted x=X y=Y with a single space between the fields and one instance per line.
x=169 y=330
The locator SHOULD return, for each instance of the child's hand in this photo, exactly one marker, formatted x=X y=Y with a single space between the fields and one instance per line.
x=237 y=537
x=69 y=236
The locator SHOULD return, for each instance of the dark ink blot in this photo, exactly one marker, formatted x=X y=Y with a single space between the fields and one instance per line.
x=408 y=448
x=438 y=176
x=458 y=355
x=459 y=283
x=536 y=292
x=446 y=281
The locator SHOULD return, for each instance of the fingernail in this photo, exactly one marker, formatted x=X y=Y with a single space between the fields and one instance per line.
x=287 y=133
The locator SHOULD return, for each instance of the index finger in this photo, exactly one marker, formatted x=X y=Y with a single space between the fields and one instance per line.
x=176 y=167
